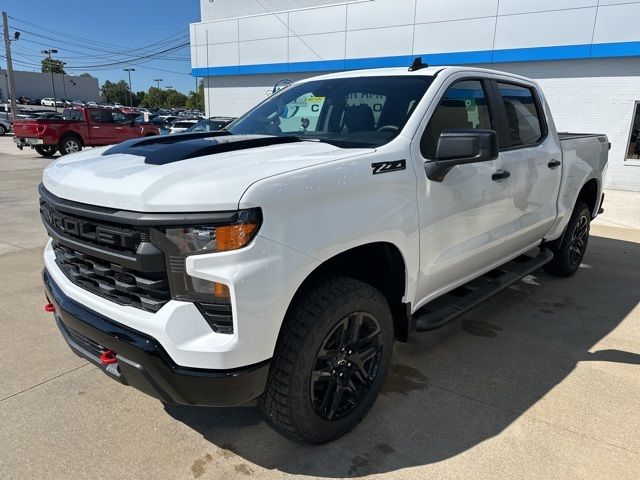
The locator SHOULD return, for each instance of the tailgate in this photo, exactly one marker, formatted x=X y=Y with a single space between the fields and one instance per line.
x=28 y=128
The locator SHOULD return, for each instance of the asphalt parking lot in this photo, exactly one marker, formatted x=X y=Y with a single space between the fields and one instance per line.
x=542 y=381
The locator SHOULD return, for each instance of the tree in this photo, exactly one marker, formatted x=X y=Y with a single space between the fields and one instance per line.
x=57 y=66
x=154 y=98
x=175 y=99
x=86 y=75
x=138 y=97
x=116 y=92
x=196 y=102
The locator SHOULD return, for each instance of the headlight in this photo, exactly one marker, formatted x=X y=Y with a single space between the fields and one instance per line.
x=180 y=242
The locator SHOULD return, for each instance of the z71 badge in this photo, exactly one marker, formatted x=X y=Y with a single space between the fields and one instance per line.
x=386 y=167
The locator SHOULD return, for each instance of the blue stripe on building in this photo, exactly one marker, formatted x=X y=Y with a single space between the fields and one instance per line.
x=559 y=52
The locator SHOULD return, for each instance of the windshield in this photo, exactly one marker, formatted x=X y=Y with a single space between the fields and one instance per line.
x=207 y=126
x=347 y=112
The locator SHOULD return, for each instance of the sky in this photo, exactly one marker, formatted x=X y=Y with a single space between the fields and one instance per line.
x=89 y=34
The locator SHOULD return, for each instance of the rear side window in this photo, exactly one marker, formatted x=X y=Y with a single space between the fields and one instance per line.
x=71 y=114
x=523 y=115
x=100 y=116
x=463 y=105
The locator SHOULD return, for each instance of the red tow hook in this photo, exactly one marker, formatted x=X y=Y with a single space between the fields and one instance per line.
x=108 y=357
x=50 y=308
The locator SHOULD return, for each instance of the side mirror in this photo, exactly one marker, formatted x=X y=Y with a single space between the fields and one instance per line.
x=458 y=147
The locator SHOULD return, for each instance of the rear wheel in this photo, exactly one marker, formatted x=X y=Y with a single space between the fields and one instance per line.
x=569 y=250
x=3 y=130
x=330 y=362
x=69 y=144
x=46 y=150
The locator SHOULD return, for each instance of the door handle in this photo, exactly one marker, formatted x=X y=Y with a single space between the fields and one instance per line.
x=554 y=163
x=500 y=175
x=96 y=127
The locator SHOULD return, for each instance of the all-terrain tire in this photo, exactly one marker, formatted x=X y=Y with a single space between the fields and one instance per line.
x=568 y=250
x=296 y=404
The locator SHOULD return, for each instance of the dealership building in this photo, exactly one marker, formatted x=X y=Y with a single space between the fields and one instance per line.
x=584 y=53
x=40 y=85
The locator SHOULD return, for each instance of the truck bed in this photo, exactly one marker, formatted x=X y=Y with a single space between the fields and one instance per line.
x=573 y=136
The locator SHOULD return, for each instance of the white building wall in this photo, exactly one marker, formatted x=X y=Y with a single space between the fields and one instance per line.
x=243 y=47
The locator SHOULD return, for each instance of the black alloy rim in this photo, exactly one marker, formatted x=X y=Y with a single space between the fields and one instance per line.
x=578 y=244
x=346 y=366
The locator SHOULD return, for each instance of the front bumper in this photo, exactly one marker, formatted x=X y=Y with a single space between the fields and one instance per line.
x=142 y=362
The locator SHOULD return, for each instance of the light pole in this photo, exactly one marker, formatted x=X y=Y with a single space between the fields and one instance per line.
x=64 y=84
x=129 y=70
x=158 y=80
x=53 y=83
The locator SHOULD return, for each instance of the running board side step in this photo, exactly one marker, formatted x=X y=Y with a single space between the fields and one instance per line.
x=462 y=299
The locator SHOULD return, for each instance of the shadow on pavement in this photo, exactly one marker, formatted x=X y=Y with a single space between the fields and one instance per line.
x=451 y=389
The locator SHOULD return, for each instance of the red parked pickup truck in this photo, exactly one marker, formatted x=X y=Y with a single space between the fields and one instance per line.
x=79 y=127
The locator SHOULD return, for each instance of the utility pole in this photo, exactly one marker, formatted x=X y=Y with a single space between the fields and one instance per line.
x=53 y=83
x=11 y=82
x=129 y=70
x=158 y=80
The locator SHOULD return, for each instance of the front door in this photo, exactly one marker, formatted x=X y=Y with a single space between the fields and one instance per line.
x=464 y=218
x=101 y=128
x=124 y=127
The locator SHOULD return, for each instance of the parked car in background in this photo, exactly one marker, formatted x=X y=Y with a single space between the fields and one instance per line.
x=212 y=124
x=25 y=100
x=79 y=127
x=163 y=122
x=91 y=104
x=181 y=125
x=4 y=126
x=48 y=102
x=5 y=112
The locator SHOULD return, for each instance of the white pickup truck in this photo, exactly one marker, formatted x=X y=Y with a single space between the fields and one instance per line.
x=280 y=258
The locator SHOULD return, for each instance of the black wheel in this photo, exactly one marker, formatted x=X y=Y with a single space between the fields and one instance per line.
x=330 y=361
x=46 y=150
x=569 y=251
x=3 y=130
x=69 y=144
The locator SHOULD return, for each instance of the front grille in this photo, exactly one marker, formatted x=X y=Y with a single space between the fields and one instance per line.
x=84 y=343
x=86 y=230
x=147 y=291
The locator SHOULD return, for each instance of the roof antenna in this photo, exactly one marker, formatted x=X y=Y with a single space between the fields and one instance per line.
x=417 y=64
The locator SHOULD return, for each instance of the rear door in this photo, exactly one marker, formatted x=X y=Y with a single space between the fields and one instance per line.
x=464 y=218
x=533 y=157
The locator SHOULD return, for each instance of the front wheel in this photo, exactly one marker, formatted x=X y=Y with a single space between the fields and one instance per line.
x=46 y=150
x=330 y=361
x=3 y=130
x=70 y=144
x=569 y=250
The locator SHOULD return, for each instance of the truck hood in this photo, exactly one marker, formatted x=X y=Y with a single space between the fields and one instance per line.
x=182 y=174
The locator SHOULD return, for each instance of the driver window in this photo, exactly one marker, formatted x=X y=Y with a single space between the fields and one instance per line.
x=463 y=105
x=120 y=118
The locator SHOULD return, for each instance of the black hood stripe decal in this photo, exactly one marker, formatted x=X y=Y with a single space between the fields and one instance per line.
x=165 y=149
